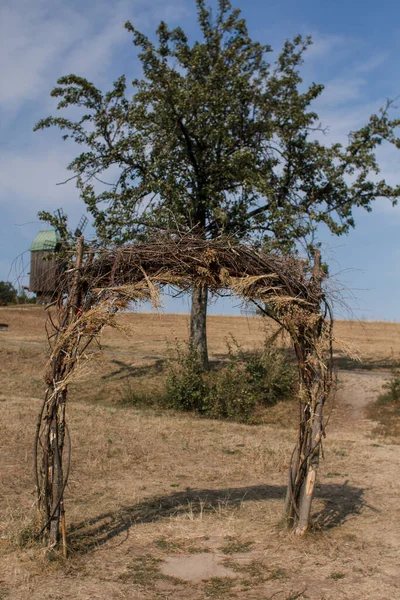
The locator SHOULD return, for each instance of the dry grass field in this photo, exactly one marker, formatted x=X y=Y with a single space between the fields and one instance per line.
x=168 y=505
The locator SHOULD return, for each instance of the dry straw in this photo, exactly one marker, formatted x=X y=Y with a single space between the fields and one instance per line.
x=98 y=283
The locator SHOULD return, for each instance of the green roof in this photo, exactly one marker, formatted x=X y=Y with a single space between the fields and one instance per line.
x=45 y=240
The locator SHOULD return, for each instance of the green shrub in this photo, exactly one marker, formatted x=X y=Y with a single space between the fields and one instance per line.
x=186 y=388
x=272 y=375
x=231 y=394
x=393 y=385
x=233 y=391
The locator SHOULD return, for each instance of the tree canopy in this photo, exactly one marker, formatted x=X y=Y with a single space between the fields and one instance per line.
x=214 y=136
x=8 y=294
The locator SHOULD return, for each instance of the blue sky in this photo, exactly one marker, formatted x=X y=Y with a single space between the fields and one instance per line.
x=355 y=54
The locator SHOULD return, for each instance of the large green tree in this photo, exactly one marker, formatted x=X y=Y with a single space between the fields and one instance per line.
x=213 y=137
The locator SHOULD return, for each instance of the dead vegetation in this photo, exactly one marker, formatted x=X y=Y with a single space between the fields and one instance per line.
x=376 y=343
x=170 y=485
x=385 y=411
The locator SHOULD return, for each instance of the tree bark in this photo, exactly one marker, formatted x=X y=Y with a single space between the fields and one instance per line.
x=198 y=324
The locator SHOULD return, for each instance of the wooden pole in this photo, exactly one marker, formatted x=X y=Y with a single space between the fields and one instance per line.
x=76 y=292
x=76 y=301
x=313 y=425
x=53 y=473
x=305 y=459
x=308 y=486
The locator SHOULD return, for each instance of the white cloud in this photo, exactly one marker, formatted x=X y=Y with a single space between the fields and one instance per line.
x=325 y=45
x=31 y=178
x=32 y=43
x=340 y=121
x=96 y=53
x=342 y=90
x=372 y=63
x=42 y=39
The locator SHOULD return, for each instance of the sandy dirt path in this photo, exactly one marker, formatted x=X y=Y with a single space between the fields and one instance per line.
x=371 y=465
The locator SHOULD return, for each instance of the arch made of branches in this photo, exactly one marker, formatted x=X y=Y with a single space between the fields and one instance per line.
x=95 y=284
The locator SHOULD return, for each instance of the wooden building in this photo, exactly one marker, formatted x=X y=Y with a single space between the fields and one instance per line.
x=44 y=269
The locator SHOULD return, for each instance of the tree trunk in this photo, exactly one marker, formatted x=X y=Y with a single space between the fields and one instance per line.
x=198 y=318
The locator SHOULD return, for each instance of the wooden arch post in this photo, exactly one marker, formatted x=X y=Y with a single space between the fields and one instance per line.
x=51 y=432
x=315 y=382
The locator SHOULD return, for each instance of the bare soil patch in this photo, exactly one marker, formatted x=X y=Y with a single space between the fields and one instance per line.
x=196 y=567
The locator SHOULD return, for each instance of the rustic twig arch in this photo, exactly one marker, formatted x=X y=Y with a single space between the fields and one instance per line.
x=98 y=283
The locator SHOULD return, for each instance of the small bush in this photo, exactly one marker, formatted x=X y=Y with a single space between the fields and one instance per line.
x=186 y=388
x=393 y=386
x=233 y=391
x=231 y=395
x=386 y=410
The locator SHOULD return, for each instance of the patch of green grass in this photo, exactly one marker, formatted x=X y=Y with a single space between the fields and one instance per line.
x=335 y=575
x=174 y=546
x=145 y=572
x=235 y=546
x=228 y=451
x=255 y=572
x=386 y=412
x=168 y=545
x=138 y=398
x=340 y=452
x=218 y=586
x=27 y=536
x=277 y=573
x=350 y=537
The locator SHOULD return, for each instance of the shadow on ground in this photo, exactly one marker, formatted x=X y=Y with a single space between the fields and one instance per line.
x=157 y=365
x=341 y=501
x=125 y=370
x=346 y=363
